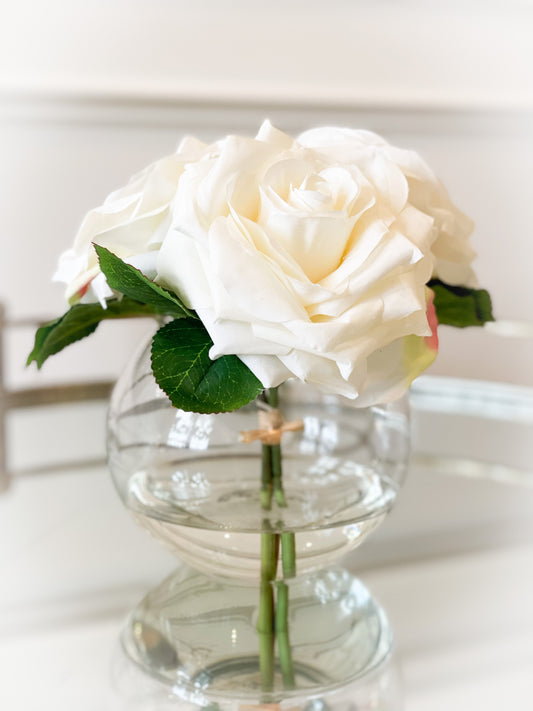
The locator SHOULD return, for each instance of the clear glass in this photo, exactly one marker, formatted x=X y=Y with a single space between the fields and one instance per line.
x=191 y=481
x=380 y=690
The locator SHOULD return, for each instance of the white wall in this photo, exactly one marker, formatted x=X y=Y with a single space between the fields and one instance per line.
x=467 y=53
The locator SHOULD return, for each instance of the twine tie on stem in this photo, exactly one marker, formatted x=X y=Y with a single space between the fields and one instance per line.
x=271 y=426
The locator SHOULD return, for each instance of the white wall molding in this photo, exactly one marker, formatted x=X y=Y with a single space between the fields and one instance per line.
x=415 y=53
x=208 y=115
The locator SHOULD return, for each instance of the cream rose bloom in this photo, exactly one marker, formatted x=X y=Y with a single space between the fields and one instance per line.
x=132 y=223
x=308 y=258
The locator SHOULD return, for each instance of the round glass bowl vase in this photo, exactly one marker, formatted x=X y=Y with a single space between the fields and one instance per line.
x=260 y=609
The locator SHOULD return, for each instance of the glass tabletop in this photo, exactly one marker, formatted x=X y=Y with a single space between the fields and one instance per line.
x=473 y=428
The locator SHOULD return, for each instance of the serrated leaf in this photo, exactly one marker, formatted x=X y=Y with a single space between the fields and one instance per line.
x=41 y=335
x=460 y=306
x=193 y=382
x=131 y=282
x=78 y=322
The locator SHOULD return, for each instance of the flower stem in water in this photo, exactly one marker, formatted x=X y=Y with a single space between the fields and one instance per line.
x=269 y=552
x=279 y=494
x=266 y=617
x=288 y=554
x=282 y=635
x=265 y=633
x=266 y=477
x=273 y=619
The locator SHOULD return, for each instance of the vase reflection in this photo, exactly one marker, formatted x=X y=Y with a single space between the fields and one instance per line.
x=199 y=633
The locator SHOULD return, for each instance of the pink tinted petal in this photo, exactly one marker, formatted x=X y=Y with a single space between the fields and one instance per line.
x=432 y=341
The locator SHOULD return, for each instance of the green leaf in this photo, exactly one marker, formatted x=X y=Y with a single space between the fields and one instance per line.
x=79 y=321
x=133 y=283
x=193 y=382
x=460 y=306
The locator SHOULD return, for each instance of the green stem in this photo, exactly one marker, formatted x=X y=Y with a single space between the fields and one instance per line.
x=269 y=552
x=266 y=617
x=288 y=554
x=272 y=623
x=288 y=564
x=282 y=635
x=265 y=632
x=279 y=494
x=266 y=477
x=272 y=397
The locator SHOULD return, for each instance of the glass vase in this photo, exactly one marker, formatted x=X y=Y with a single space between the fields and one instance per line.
x=260 y=610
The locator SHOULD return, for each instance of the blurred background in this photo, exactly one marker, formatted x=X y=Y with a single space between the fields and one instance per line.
x=90 y=93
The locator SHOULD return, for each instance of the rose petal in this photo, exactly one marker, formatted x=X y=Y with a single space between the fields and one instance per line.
x=268 y=369
x=183 y=266
x=231 y=335
x=261 y=294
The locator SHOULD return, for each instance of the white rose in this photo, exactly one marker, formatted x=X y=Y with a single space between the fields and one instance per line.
x=308 y=258
x=452 y=228
x=131 y=223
